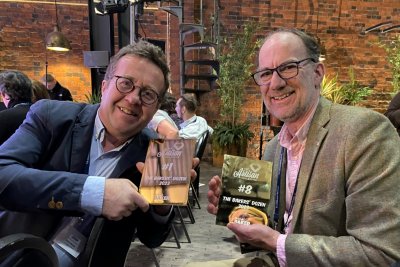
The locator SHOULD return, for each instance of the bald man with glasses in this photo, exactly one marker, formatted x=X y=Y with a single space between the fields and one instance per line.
x=335 y=180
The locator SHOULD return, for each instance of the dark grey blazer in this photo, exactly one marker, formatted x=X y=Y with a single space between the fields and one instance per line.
x=42 y=175
x=10 y=120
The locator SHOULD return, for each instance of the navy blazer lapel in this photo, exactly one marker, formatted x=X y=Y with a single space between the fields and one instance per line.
x=81 y=137
x=315 y=137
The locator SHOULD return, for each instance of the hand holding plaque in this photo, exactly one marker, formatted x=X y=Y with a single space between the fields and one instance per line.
x=246 y=185
x=166 y=174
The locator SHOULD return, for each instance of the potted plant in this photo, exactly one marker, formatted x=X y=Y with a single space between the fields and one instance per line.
x=392 y=49
x=350 y=93
x=93 y=97
x=230 y=135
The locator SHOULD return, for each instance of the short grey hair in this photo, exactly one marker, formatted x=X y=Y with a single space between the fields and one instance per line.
x=142 y=49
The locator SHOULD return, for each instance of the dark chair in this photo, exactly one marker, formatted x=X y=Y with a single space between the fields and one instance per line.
x=194 y=186
x=201 y=146
x=37 y=251
x=87 y=256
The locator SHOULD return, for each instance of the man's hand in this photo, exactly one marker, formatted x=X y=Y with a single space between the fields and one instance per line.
x=214 y=191
x=257 y=235
x=121 y=197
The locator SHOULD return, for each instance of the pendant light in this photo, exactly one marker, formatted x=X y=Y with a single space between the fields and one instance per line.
x=322 y=55
x=55 y=40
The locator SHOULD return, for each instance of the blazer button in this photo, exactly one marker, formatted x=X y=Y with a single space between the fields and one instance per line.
x=52 y=204
x=59 y=205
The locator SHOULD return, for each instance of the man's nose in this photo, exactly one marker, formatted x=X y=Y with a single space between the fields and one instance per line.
x=134 y=95
x=276 y=81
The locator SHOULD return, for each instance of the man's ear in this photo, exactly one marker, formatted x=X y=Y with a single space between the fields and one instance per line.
x=104 y=85
x=319 y=74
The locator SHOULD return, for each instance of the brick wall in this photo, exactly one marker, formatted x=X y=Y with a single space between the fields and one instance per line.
x=23 y=27
x=337 y=23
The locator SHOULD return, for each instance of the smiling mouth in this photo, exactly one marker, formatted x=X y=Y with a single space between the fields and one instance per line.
x=127 y=111
x=282 y=96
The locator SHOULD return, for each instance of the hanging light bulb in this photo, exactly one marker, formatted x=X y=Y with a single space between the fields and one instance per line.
x=322 y=55
x=55 y=40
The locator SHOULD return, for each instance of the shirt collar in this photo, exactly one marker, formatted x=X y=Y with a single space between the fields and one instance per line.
x=100 y=132
x=292 y=142
x=188 y=121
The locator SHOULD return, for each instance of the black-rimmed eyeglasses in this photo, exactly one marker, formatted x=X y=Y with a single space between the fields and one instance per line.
x=124 y=85
x=286 y=71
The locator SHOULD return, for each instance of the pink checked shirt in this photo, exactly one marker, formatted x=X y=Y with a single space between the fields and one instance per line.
x=295 y=146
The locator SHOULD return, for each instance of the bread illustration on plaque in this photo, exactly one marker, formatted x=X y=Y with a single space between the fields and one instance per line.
x=247 y=215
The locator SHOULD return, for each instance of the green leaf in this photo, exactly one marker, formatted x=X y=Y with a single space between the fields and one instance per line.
x=93 y=98
x=225 y=133
x=236 y=63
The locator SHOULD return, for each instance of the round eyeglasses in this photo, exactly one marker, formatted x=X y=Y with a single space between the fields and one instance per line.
x=124 y=85
x=286 y=71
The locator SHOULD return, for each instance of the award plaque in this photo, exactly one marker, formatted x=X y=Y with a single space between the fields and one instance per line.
x=246 y=185
x=166 y=174
x=246 y=190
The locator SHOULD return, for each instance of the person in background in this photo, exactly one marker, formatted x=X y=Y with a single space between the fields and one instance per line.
x=84 y=160
x=162 y=123
x=56 y=91
x=393 y=112
x=193 y=126
x=39 y=91
x=335 y=178
x=169 y=105
x=16 y=92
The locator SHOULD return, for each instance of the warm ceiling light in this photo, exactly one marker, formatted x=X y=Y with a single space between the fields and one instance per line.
x=322 y=55
x=55 y=40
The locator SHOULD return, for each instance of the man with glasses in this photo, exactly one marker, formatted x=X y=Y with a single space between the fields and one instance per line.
x=74 y=159
x=334 y=196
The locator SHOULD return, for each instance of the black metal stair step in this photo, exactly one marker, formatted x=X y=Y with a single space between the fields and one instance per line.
x=210 y=77
x=213 y=63
x=187 y=28
x=174 y=10
x=201 y=45
x=196 y=90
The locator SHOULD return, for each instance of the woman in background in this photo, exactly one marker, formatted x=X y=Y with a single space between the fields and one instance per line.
x=39 y=91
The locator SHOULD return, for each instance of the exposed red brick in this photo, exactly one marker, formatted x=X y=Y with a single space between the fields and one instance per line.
x=24 y=27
